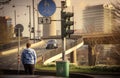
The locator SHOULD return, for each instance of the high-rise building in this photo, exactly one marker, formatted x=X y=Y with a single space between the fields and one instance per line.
x=108 y=18
x=93 y=19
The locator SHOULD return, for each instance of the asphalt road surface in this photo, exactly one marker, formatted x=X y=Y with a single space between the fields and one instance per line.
x=11 y=61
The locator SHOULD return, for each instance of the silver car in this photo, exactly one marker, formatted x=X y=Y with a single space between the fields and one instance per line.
x=52 y=44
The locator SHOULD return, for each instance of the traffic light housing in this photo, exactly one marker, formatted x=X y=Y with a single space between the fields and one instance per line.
x=66 y=24
x=63 y=4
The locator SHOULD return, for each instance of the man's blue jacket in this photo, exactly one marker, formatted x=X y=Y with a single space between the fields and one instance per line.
x=28 y=56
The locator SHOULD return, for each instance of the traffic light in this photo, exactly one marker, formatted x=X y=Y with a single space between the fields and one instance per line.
x=66 y=24
x=63 y=4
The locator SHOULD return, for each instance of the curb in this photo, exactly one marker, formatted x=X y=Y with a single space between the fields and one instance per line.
x=45 y=73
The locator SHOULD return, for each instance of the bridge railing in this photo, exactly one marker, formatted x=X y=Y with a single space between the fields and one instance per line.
x=59 y=50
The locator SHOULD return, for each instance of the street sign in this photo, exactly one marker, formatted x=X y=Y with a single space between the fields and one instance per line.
x=19 y=26
x=44 y=20
x=18 y=30
x=47 y=7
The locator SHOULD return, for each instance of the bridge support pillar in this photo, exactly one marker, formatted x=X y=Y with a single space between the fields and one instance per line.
x=91 y=55
x=73 y=57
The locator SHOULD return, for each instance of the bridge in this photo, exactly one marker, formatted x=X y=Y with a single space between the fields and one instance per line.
x=52 y=55
x=85 y=39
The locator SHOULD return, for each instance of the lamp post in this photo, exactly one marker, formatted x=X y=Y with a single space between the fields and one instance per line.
x=14 y=14
x=38 y=27
x=29 y=19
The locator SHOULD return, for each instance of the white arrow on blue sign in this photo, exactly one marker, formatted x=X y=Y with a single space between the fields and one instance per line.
x=44 y=20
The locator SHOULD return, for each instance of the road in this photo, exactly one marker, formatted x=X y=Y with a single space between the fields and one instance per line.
x=11 y=61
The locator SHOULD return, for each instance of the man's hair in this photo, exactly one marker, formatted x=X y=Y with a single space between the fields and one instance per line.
x=28 y=45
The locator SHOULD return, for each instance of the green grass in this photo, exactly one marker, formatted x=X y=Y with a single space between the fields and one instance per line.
x=83 y=69
x=46 y=67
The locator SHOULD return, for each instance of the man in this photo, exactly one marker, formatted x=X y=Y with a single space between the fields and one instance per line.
x=28 y=58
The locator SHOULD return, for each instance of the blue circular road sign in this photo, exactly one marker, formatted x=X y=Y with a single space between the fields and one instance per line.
x=47 y=7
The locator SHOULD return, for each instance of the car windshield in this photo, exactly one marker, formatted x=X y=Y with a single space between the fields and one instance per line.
x=51 y=41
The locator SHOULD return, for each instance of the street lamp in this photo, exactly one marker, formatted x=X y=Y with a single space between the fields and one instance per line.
x=14 y=14
x=38 y=28
x=29 y=19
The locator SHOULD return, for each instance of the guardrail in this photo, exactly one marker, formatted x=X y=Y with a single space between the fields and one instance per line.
x=15 y=50
x=13 y=43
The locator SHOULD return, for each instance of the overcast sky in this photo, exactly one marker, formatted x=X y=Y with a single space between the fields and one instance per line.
x=83 y=3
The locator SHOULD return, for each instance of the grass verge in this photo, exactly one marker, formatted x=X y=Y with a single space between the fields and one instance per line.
x=84 y=69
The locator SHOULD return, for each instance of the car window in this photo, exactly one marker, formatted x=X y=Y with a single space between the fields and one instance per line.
x=52 y=41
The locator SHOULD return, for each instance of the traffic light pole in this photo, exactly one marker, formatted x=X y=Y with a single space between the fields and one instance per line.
x=64 y=48
x=64 y=64
x=62 y=35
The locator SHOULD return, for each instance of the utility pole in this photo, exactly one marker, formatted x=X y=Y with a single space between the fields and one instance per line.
x=14 y=14
x=29 y=7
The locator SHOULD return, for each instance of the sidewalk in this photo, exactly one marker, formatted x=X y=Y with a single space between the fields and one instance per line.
x=39 y=74
x=52 y=74
x=27 y=76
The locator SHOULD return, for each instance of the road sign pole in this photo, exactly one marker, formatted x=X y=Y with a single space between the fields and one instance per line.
x=64 y=48
x=18 y=67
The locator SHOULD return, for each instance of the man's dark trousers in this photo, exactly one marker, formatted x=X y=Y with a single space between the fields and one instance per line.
x=29 y=68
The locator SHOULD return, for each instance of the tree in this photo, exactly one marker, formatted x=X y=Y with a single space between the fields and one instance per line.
x=115 y=51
